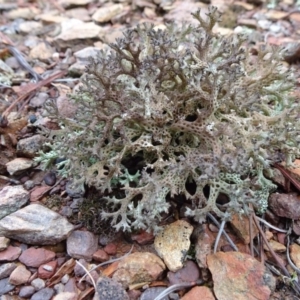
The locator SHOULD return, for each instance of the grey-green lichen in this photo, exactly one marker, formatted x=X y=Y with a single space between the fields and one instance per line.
x=163 y=108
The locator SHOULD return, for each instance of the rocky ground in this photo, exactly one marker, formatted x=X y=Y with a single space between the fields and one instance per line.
x=53 y=244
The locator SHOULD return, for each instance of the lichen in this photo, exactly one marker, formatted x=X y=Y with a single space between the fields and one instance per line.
x=163 y=108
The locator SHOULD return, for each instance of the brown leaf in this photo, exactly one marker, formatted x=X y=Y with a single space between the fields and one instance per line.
x=66 y=268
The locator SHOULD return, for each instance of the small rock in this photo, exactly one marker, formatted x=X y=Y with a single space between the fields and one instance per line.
x=240 y=224
x=295 y=254
x=6 y=269
x=20 y=275
x=65 y=278
x=43 y=294
x=109 y=289
x=285 y=205
x=38 y=101
x=110 y=249
x=42 y=51
x=38 y=192
x=5 y=286
x=66 y=296
x=38 y=284
x=73 y=31
x=11 y=199
x=100 y=255
x=173 y=243
x=143 y=238
x=50 y=178
x=239 y=276
x=67 y=3
x=277 y=247
x=203 y=246
x=152 y=293
x=139 y=267
x=34 y=257
x=29 y=147
x=23 y=13
x=199 y=292
x=67 y=108
x=46 y=271
x=105 y=14
x=29 y=184
x=26 y=291
x=30 y=26
x=190 y=272
x=70 y=286
x=4 y=242
x=78 y=13
x=19 y=165
x=10 y=253
x=78 y=270
x=82 y=244
x=35 y=224
x=74 y=191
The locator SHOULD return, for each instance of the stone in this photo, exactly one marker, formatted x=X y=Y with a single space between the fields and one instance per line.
x=239 y=276
x=66 y=107
x=139 y=267
x=6 y=269
x=173 y=243
x=153 y=292
x=38 y=192
x=26 y=291
x=285 y=205
x=111 y=249
x=27 y=13
x=30 y=26
x=203 y=246
x=46 y=271
x=190 y=272
x=20 y=275
x=66 y=296
x=12 y=198
x=4 y=242
x=28 y=147
x=67 y=3
x=295 y=254
x=42 y=51
x=109 y=289
x=19 y=165
x=277 y=247
x=78 y=270
x=240 y=224
x=143 y=238
x=105 y=14
x=79 y=13
x=38 y=284
x=73 y=31
x=100 y=255
x=35 y=257
x=43 y=294
x=199 y=292
x=38 y=100
x=10 y=253
x=36 y=224
x=5 y=286
x=82 y=244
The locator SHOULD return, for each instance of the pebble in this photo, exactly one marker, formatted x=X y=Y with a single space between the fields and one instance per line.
x=34 y=257
x=4 y=243
x=19 y=165
x=50 y=178
x=38 y=284
x=109 y=289
x=152 y=293
x=199 y=292
x=110 y=249
x=36 y=224
x=139 y=267
x=5 y=286
x=190 y=272
x=285 y=205
x=239 y=276
x=43 y=294
x=11 y=253
x=6 y=269
x=20 y=275
x=26 y=291
x=82 y=244
x=173 y=243
x=11 y=199
x=28 y=147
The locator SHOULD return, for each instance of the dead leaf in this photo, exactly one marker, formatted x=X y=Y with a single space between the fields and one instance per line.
x=66 y=268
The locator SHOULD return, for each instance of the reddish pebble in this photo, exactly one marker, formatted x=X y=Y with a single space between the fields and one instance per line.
x=143 y=238
x=100 y=255
x=110 y=249
x=47 y=270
